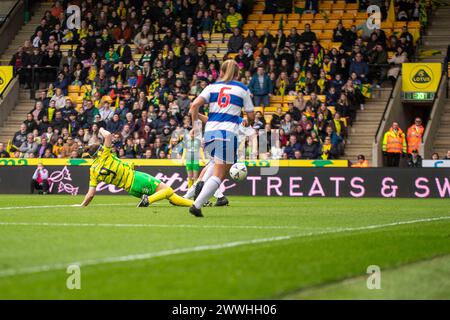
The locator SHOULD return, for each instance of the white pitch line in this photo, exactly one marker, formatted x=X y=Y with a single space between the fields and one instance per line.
x=212 y=247
x=64 y=206
x=143 y=225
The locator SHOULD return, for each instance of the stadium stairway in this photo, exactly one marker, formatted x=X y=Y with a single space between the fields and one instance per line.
x=442 y=141
x=361 y=134
x=25 y=32
x=25 y=104
x=218 y=45
x=17 y=116
x=437 y=36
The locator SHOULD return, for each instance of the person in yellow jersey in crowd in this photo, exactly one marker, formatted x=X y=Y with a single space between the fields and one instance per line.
x=108 y=168
x=394 y=145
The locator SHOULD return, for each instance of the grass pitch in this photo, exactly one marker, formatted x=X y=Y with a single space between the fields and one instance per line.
x=263 y=248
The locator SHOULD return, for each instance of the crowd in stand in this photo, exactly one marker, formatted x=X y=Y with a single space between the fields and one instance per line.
x=145 y=102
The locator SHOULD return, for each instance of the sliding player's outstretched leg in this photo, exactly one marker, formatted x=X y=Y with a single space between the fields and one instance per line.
x=152 y=190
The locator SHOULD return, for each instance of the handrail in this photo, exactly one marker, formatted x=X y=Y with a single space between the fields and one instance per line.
x=385 y=109
x=9 y=13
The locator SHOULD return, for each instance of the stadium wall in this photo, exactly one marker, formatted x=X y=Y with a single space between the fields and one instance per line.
x=287 y=181
x=9 y=100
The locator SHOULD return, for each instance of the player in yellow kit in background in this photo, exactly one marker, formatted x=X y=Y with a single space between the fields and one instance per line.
x=109 y=169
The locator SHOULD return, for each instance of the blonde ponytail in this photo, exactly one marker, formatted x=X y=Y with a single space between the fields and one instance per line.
x=229 y=71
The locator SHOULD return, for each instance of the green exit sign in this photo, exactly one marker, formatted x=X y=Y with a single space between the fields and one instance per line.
x=418 y=96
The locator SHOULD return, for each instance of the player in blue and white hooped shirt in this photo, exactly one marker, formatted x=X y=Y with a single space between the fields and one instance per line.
x=226 y=98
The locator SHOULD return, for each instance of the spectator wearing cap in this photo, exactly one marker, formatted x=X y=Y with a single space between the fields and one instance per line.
x=414 y=135
x=415 y=160
x=261 y=88
x=361 y=162
x=39 y=180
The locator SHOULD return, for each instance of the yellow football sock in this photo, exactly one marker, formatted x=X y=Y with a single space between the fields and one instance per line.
x=160 y=195
x=180 y=201
x=190 y=183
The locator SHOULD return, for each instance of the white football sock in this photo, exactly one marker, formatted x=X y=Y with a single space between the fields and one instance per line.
x=208 y=172
x=218 y=194
x=208 y=190
x=191 y=191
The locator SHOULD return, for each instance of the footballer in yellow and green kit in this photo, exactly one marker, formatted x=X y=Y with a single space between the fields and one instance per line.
x=108 y=168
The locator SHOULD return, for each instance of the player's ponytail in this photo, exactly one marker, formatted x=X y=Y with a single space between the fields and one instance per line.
x=229 y=71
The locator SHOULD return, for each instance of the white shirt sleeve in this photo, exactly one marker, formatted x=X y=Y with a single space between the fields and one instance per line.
x=248 y=103
x=206 y=93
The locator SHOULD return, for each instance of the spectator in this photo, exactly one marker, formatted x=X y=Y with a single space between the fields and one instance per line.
x=234 y=19
x=20 y=136
x=359 y=67
x=29 y=148
x=328 y=150
x=361 y=162
x=435 y=156
x=3 y=152
x=312 y=6
x=394 y=145
x=236 y=41
x=310 y=149
x=415 y=160
x=261 y=88
x=292 y=146
x=378 y=59
x=414 y=135
x=308 y=36
x=395 y=62
x=447 y=156
x=40 y=180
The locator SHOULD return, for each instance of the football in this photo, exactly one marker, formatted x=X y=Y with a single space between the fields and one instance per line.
x=238 y=171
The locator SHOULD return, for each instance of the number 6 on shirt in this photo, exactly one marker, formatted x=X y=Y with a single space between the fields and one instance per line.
x=222 y=94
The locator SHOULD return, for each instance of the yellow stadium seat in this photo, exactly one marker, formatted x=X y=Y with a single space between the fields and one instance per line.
x=330 y=25
x=361 y=15
x=327 y=6
x=294 y=17
x=326 y=35
x=254 y=17
x=266 y=17
x=260 y=109
x=414 y=24
x=348 y=16
x=307 y=16
x=400 y=24
x=339 y=6
x=74 y=89
x=334 y=16
x=351 y=7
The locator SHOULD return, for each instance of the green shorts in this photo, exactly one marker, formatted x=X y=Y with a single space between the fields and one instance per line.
x=143 y=183
x=192 y=166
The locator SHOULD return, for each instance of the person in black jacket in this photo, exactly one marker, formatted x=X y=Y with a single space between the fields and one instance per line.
x=310 y=150
x=50 y=62
x=415 y=160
